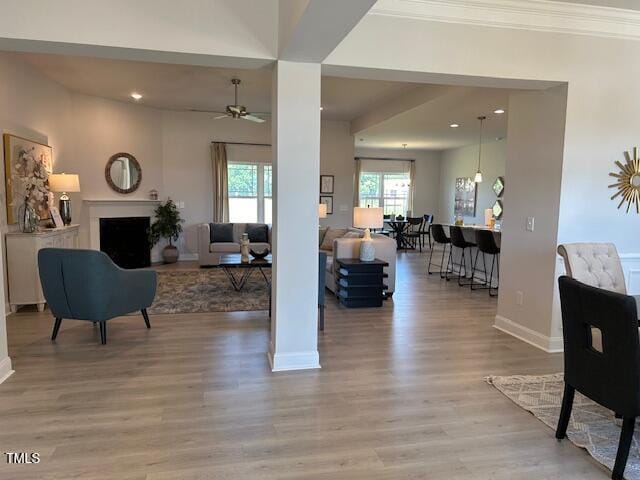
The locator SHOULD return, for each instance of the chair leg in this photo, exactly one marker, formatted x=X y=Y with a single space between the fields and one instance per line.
x=321 y=307
x=103 y=333
x=146 y=317
x=626 y=436
x=565 y=411
x=56 y=328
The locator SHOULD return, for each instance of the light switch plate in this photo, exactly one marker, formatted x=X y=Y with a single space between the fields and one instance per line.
x=344 y=208
x=531 y=223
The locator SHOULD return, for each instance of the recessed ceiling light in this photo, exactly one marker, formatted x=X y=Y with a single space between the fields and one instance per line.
x=321 y=108
x=454 y=125
x=499 y=111
x=136 y=96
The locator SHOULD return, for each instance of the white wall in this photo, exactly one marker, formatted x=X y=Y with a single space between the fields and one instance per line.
x=463 y=162
x=337 y=159
x=427 y=182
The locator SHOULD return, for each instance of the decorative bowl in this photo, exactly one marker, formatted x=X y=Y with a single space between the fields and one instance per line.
x=259 y=255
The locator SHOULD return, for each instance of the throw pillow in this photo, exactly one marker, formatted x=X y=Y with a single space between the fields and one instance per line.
x=221 y=232
x=330 y=236
x=258 y=232
x=321 y=233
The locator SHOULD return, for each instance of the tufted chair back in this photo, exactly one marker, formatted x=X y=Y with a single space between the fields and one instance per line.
x=594 y=264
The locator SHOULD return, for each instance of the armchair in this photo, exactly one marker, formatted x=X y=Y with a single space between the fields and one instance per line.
x=87 y=285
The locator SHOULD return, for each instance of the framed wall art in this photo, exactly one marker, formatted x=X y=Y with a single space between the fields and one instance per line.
x=27 y=168
x=465 y=197
x=326 y=183
x=328 y=201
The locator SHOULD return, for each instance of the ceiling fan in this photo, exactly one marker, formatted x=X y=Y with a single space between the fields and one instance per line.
x=236 y=111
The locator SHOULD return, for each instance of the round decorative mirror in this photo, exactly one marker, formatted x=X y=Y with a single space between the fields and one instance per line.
x=123 y=173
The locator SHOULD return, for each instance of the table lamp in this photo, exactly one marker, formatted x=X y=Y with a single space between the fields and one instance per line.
x=367 y=218
x=64 y=183
x=322 y=210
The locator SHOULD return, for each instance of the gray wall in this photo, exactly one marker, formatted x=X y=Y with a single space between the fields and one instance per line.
x=463 y=162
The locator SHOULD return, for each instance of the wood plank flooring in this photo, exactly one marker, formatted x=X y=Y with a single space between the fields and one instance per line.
x=400 y=396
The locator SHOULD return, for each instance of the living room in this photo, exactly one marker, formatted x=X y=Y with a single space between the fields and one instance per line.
x=423 y=384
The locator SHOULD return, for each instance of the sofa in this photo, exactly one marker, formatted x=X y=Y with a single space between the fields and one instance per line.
x=210 y=249
x=345 y=243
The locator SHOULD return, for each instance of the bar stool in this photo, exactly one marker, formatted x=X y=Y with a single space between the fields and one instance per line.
x=487 y=245
x=458 y=241
x=439 y=237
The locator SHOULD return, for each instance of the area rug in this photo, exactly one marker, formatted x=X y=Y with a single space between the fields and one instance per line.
x=592 y=427
x=207 y=290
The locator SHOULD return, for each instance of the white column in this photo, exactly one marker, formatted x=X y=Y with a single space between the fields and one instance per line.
x=296 y=169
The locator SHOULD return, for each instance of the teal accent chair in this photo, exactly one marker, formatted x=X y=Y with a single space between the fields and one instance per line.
x=322 y=274
x=87 y=285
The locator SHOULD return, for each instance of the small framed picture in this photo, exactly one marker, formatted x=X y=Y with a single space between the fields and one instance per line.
x=56 y=218
x=328 y=201
x=326 y=183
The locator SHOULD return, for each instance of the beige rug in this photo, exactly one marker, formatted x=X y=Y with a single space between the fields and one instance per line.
x=207 y=290
x=592 y=427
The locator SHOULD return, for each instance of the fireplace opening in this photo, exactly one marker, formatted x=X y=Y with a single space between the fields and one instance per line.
x=126 y=241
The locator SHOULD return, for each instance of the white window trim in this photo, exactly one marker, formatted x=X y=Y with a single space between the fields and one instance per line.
x=260 y=190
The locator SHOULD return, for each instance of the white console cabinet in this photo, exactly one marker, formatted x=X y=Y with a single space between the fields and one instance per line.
x=22 y=262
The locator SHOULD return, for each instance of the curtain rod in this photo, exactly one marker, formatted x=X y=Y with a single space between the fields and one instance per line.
x=246 y=143
x=386 y=159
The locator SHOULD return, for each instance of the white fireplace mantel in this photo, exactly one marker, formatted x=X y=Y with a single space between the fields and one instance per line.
x=114 y=208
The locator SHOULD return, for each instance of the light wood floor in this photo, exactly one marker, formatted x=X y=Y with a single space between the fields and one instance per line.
x=400 y=396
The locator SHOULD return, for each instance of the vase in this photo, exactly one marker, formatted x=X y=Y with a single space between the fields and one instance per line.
x=27 y=218
x=170 y=254
x=244 y=248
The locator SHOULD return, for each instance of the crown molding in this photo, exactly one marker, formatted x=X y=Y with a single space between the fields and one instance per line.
x=539 y=15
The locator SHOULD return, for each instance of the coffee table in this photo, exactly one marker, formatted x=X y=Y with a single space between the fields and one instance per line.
x=239 y=272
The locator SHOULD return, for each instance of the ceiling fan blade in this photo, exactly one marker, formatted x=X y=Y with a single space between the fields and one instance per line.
x=253 y=119
x=234 y=109
x=221 y=117
x=207 y=111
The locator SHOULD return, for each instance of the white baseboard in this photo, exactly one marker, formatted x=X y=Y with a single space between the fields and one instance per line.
x=543 y=342
x=5 y=369
x=281 y=362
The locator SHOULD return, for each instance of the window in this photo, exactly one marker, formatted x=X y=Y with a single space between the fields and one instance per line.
x=387 y=190
x=249 y=192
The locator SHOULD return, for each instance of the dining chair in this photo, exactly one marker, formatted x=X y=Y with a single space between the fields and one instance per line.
x=413 y=232
x=426 y=228
x=609 y=375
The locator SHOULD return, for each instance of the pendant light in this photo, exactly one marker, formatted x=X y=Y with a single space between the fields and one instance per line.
x=478 y=178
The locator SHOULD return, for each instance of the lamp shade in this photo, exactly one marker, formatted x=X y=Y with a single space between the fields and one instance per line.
x=64 y=182
x=322 y=210
x=368 y=217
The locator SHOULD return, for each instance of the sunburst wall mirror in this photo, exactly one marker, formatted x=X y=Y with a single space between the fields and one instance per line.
x=628 y=184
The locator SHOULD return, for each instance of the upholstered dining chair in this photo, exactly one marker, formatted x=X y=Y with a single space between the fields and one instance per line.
x=322 y=278
x=595 y=264
x=609 y=374
x=87 y=285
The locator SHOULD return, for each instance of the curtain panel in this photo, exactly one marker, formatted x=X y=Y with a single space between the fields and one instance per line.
x=220 y=182
x=356 y=183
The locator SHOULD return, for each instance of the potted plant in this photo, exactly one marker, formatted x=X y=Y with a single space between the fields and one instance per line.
x=167 y=225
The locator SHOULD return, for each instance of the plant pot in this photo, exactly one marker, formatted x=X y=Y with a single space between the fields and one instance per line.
x=170 y=254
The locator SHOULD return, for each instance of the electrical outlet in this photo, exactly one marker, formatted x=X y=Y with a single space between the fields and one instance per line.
x=519 y=297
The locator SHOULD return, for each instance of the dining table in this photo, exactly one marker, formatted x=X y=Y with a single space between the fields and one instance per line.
x=399 y=228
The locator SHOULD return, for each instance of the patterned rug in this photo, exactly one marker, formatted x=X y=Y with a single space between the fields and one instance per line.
x=207 y=290
x=592 y=427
